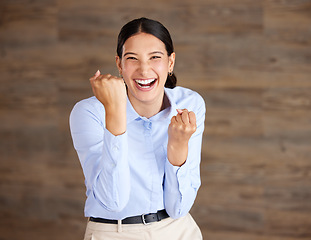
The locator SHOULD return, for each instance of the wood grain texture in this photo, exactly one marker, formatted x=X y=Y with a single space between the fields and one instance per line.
x=250 y=60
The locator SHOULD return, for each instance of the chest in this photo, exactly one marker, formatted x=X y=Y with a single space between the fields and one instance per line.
x=147 y=144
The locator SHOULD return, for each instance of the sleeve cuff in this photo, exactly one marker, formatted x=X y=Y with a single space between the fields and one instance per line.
x=176 y=177
x=116 y=146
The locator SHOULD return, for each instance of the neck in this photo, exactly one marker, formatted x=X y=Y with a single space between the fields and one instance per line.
x=149 y=109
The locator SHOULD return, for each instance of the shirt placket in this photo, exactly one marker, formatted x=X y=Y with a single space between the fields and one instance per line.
x=152 y=164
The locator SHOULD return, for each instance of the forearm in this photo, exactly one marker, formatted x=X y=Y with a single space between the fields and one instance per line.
x=182 y=183
x=103 y=156
x=116 y=119
x=106 y=171
x=112 y=185
x=180 y=189
x=177 y=153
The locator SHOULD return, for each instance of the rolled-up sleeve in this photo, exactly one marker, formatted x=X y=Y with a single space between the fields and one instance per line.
x=102 y=155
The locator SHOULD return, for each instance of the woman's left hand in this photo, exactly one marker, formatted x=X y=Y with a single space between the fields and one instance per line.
x=181 y=128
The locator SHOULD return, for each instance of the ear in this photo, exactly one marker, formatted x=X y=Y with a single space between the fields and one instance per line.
x=118 y=63
x=171 y=62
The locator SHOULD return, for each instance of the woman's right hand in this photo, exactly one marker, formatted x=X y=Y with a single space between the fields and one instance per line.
x=111 y=92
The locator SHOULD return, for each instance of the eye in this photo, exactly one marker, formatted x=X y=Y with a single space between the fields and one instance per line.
x=155 y=57
x=131 y=58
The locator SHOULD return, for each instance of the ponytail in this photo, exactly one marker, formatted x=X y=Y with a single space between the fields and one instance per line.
x=171 y=81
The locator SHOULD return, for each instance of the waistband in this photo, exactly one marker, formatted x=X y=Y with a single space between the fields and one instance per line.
x=144 y=218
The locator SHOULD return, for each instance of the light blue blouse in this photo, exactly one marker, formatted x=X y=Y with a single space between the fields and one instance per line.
x=130 y=174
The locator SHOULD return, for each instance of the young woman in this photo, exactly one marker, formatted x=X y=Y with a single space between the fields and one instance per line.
x=139 y=142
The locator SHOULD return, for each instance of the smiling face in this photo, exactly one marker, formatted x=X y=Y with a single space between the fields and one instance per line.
x=144 y=66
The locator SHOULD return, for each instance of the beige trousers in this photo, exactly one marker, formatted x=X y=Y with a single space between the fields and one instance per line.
x=184 y=228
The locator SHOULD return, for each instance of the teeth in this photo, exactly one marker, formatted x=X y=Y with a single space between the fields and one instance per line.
x=144 y=86
x=144 y=82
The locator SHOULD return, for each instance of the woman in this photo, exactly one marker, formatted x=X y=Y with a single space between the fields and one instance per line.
x=139 y=142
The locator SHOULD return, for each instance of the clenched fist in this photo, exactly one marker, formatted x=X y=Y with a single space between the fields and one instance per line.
x=181 y=128
x=111 y=92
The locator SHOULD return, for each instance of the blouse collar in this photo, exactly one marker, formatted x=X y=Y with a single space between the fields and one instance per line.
x=165 y=114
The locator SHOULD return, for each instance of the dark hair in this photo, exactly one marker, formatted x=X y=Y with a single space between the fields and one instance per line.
x=154 y=28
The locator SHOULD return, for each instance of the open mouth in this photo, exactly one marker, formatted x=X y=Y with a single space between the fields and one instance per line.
x=145 y=84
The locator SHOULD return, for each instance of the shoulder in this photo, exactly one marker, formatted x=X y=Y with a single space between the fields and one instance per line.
x=90 y=102
x=88 y=106
x=185 y=98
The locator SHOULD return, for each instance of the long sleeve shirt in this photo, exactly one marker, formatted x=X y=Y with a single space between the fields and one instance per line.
x=129 y=174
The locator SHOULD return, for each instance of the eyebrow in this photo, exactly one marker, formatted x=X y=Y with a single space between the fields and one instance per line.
x=129 y=53
x=132 y=53
x=159 y=52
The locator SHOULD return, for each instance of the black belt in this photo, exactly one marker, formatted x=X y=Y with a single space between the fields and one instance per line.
x=145 y=218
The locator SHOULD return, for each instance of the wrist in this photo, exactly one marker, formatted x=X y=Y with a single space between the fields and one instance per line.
x=177 y=153
x=115 y=108
x=116 y=120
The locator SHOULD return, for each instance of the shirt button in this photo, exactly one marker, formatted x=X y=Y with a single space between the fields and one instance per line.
x=115 y=148
x=148 y=125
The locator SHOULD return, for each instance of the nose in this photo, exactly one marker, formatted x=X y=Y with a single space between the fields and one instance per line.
x=144 y=68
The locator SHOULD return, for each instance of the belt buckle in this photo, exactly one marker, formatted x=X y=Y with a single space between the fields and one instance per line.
x=143 y=218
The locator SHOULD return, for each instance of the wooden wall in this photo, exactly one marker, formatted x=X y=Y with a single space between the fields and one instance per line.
x=250 y=60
